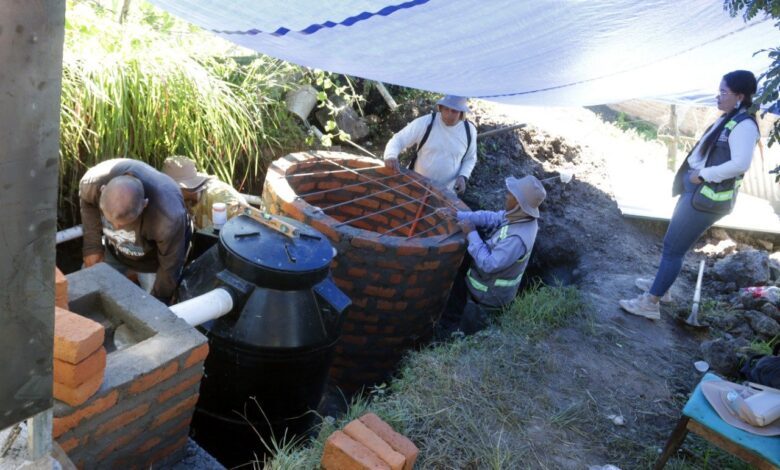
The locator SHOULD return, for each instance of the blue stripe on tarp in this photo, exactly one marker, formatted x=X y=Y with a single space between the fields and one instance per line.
x=311 y=29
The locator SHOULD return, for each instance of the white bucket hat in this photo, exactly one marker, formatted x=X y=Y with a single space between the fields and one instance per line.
x=458 y=103
x=529 y=193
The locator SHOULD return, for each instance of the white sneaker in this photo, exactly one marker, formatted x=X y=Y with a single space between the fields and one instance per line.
x=642 y=306
x=645 y=284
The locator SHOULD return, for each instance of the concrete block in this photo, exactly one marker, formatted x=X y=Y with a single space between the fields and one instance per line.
x=73 y=375
x=398 y=442
x=60 y=289
x=344 y=453
x=75 y=396
x=75 y=337
x=360 y=432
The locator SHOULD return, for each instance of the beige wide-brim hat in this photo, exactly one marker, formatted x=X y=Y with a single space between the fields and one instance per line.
x=529 y=193
x=458 y=103
x=716 y=392
x=182 y=170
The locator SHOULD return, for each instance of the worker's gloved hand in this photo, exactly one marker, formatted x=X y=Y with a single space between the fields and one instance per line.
x=466 y=226
x=90 y=260
x=460 y=185
x=393 y=164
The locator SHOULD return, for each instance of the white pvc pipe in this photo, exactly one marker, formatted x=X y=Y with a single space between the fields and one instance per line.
x=252 y=199
x=69 y=234
x=203 y=308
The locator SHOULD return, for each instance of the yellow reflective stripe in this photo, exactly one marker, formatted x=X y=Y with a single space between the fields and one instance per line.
x=738 y=183
x=477 y=285
x=707 y=192
x=730 y=125
x=521 y=260
x=509 y=282
x=503 y=232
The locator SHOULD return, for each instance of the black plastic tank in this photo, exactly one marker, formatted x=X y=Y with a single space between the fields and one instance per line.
x=269 y=357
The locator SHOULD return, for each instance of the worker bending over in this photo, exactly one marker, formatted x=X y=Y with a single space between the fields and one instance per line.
x=498 y=263
x=200 y=191
x=446 y=144
x=139 y=213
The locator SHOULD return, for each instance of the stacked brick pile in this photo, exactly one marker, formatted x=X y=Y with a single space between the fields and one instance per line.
x=79 y=357
x=60 y=289
x=368 y=443
x=398 y=285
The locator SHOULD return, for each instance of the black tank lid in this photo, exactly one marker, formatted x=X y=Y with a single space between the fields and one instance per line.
x=268 y=258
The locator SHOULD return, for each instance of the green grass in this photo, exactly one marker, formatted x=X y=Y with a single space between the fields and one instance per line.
x=542 y=308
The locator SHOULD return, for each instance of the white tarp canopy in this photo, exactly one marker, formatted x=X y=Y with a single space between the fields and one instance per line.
x=543 y=52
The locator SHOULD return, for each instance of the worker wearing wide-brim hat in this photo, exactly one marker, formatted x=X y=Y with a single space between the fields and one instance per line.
x=446 y=144
x=499 y=261
x=200 y=191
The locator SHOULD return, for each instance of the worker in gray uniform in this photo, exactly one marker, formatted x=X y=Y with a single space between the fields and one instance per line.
x=499 y=261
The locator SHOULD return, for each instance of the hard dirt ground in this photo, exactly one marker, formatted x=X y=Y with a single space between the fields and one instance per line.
x=611 y=363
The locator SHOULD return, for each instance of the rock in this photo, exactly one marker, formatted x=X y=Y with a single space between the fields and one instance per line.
x=749 y=302
x=765 y=244
x=719 y=234
x=771 y=311
x=743 y=330
x=762 y=324
x=721 y=354
x=774 y=266
x=721 y=249
x=745 y=268
x=727 y=322
x=347 y=120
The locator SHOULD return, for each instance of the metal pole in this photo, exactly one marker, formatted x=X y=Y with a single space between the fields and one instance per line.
x=31 y=40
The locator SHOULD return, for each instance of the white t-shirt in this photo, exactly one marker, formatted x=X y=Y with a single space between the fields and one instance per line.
x=742 y=143
x=441 y=159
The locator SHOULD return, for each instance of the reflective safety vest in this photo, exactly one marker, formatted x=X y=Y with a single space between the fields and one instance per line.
x=718 y=198
x=499 y=289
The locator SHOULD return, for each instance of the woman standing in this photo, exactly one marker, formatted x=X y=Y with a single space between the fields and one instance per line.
x=707 y=183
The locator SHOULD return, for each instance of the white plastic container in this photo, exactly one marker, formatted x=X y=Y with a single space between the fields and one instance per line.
x=218 y=214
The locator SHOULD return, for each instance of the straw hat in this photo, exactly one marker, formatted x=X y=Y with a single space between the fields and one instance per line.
x=529 y=193
x=183 y=171
x=717 y=394
x=458 y=103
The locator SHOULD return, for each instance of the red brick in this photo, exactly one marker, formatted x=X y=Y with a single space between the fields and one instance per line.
x=153 y=378
x=398 y=442
x=380 y=220
x=364 y=224
x=326 y=230
x=187 y=404
x=66 y=423
x=304 y=188
x=344 y=453
x=389 y=264
x=75 y=337
x=123 y=419
x=177 y=389
x=428 y=266
x=60 y=289
x=197 y=355
x=368 y=202
x=384 y=305
x=70 y=444
x=73 y=375
x=328 y=184
x=360 y=302
x=75 y=396
x=362 y=434
x=414 y=293
x=412 y=250
x=350 y=210
x=362 y=189
x=344 y=284
x=119 y=441
x=149 y=444
x=450 y=247
x=401 y=305
x=162 y=453
x=357 y=272
x=354 y=340
x=384 y=292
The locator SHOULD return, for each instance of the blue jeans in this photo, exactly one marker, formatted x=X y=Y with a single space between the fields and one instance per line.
x=686 y=226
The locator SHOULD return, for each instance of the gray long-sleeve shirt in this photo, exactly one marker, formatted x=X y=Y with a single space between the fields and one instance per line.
x=156 y=242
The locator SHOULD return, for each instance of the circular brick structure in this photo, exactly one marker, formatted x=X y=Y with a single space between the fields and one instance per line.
x=398 y=252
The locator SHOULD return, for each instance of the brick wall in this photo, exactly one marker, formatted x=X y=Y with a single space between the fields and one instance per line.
x=141 y=414
x=398 y=285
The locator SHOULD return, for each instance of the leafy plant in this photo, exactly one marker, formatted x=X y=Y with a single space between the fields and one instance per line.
x=767 y=95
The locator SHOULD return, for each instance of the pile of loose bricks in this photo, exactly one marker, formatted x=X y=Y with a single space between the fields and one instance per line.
x=398 y=285
x=368 y=443
x=130 y=408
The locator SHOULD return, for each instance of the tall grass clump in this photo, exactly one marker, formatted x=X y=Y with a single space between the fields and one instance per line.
x=136 y=91
x=540 y=308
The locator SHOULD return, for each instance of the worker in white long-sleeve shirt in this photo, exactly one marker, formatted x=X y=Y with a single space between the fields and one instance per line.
x=446 y=144
x=499 y=261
